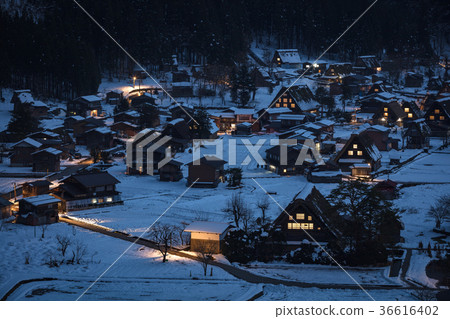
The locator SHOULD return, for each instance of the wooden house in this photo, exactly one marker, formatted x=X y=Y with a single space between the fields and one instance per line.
x=243 y=129
x=99 y=138
x=338 y=70
x=379 y=87
x=358 y=150
x=80 y=127
x=46 y=160
x=286 y=166
x=207 y=237
x=137 y=157
x=289 y=120
x=367 y=65
x=23 y=99
x=35 y=188
x=271 y=115
x=298 y=98
x=227 y=119
x=437 y=116
x=171 y=172
x=88 y=189
x=361 y=170
x=132 y=117
x=374 y=102
x=114 y=97
x=137 y=100
x=208 y=171
x=182 y=89
x=286 y=58
x=310 y=213
x=379 y=135
x=411 y=110
x=21 y=152
x=387 y=189
x=5 y=208
x=124 y=129
x=180 y=134
x=413 y=80
x=315 y=67
x=390 y=114
x=356 y=84
x=180 y=110
x=39 y=210
x=417 y=134
x=88 y=105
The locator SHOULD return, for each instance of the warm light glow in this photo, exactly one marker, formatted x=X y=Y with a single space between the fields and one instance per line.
x=410 y=115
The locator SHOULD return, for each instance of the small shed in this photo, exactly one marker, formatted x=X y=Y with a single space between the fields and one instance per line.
x=38 y=210
x=171 y=172
x=5 y=208
x=207 y=236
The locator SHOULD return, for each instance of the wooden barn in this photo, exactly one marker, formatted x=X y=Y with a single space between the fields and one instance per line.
x=208 y=171
x=88 y=105
x=35 y=188
x=207 y=237
x=22 y=152
x=171 y=172
x=39 y=210
x=114 y=97
x=46 y=160
x=438 y=117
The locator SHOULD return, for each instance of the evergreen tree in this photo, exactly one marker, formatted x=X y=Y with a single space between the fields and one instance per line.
x=22 y=123
x=202 y=127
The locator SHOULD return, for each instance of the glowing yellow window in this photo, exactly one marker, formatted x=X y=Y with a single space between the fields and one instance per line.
x=290 y=100
x=376 y=90
x=309 y=217
x=292 y=105
x=279 y=100
x=406 y=109
x=291 y=218
x=441 y=118
x=284 y=104
x=386 y=115
x=436 y=111
x=355 y=146
x=278 y=59
x=350 y=152
x=385 y=109
x=359 y=153
x=410 y=115
x=277 y=104
x=432 y=117
x=293 y=226
x=300 y=216
x=285 y=100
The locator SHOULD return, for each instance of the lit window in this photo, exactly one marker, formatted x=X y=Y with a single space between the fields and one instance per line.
x=284 y=170
x=94 y=201
x=284 y=104
x=109 y=199
x=376 y=90
x=350 y=152
x=359 y=153
x=432 y=117
x=292 y=105
x=277 y=104
x=436 y=111
x=385 y=109
x=300 y=216
x=406 y=109
x=307 y=226
x=291 y=218
x=355 y=146
x=278 y=59
x=293 y=226
x=386 y=115
x=441 y=118
x=410 y=115
x=285 y=100
x=290 y=100
x=318 y=228
x=309 y=217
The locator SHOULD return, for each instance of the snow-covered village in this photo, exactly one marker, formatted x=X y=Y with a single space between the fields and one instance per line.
x=259 y=160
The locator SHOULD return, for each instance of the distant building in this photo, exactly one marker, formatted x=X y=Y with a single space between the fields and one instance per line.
x=114 y=97
x=207 y=237
x=35 y=188
x=286 y=58
x=207 y=171
x=46 y=160
x=379 y=135
x=438 y=117
x=367 y=65
x=417 y=134
x=88 y=105
x=124 y=129
x=132 y=117
x=88 y=190
x=275 y=162
x=298 y=98
x=358 y=150
x=5 y=208
x=21 y=152
x=413 y=80
x=39 y=210
x=171 y=172
x=182 y=89
x=99 y=138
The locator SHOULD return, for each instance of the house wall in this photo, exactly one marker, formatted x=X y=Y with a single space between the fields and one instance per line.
x=213 y=246
x=22 y=156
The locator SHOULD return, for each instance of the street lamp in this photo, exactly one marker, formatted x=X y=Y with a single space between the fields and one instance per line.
x=134 y=81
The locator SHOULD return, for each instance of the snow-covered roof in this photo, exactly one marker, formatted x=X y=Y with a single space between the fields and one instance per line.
x=379 y=128
x=207 y=227
x=182 y=84
x=289 y=55
x=176 y=121
x=41 y=200
x=50 y=150
x=30 y=141
x=325 y=122
x=298 y=117
x=25 y=97
x=91 y=98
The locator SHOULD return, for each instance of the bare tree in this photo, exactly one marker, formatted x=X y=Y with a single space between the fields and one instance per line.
x=204 y=252
x=246 y=218
x=163 y=236
x=43 y=230
x=263 y=204
x=63 y=243
x=440 y=211
x=236 y=208
x=78 y=253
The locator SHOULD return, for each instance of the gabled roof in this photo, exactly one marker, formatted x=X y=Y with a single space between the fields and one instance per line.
x=29 y=141
x=91 y=98
x=38 y=183
x=41 y=200
x=94 y=179
x=289 y=56
x=207 y=227
x=210 y=160
x=366 y=143
x=49 y=150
